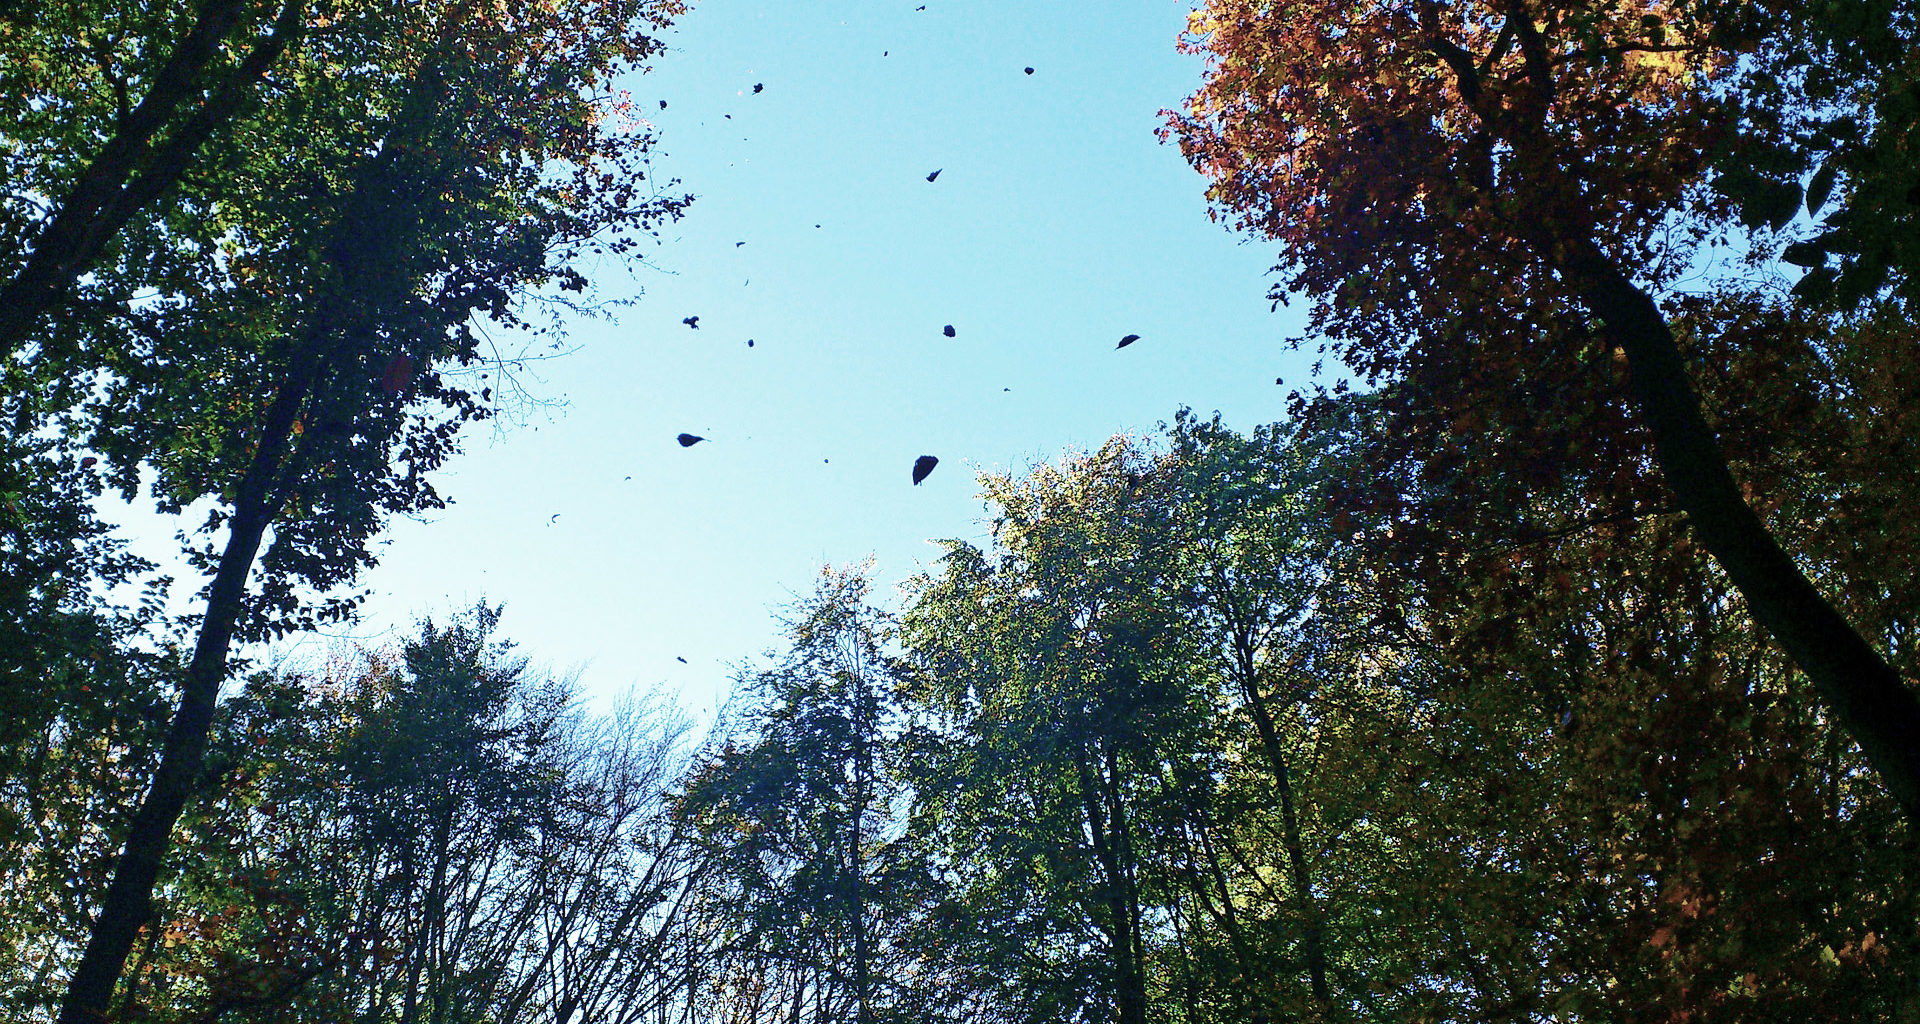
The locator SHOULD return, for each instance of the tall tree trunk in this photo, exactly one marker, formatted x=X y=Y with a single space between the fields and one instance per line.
x=1862 y=690
x=1313 y=932
x=1251 y=967
x=135 y=166
x=1129 y=996
x=1134 y=982
x=862 y=954
x=126 y=906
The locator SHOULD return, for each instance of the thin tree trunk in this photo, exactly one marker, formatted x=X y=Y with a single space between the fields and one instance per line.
x=862 y=978
x=127 y=903
x=1865 y=694
x=1860 y=688
x=1130 y=889
x=131 y=997
x=1229 y=917
x=1312 y=928
x=1130 y=1004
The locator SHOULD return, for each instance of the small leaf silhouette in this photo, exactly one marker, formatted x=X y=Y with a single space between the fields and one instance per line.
x=691 y=321
x=689 y=440
x=1807 y=254
x=947 y=330
x=1819 y=188
x=936 y=173
x=922 y=466
x=1128 y=340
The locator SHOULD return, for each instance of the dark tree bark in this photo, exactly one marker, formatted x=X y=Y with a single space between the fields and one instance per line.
x=1313 y=936
x=1106 y=824
x=127 y=905
x=1863 y=691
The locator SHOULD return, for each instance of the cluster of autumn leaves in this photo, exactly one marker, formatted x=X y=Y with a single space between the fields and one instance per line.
x=1555 y=236
x=1562 y=670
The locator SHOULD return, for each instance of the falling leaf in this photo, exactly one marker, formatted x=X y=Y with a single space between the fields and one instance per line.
x=936 y=173
x=922 y=466
x=552 y=519
x=757 y=87
x=1029 y=71
x=749 y=342
x=1128 y=340
x=88 y=462
x=679 y=659
x=689 y=440
x=691 y=321
x=663 y=104
x=948 y=330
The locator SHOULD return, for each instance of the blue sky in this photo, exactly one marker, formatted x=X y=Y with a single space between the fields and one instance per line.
x=1058 y=224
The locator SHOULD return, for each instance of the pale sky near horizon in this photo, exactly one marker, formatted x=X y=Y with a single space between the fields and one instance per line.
x=1058 y=224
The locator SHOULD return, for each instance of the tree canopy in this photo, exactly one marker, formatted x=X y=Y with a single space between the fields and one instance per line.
x=1553 y=665
x=1496 y=210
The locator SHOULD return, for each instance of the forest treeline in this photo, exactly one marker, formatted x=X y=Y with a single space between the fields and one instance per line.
x=1173 y=746
x=1556 y=663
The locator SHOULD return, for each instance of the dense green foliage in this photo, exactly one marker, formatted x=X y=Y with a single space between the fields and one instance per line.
x=1174 y=747
x=1563 y=674
x=248 y=251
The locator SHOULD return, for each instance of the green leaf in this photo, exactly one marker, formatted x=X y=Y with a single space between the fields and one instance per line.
x=1819 y=188
x=1816 y=286
x=1777 y=204
x=1760 y=201
x=1859 y=279
x=1805 y=254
